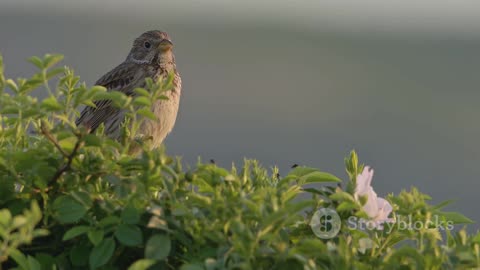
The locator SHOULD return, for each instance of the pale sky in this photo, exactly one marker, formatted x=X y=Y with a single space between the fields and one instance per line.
x=460 y=17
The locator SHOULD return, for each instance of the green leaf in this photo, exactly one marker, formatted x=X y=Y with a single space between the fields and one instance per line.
x=341 y=195
x=31 y=84
x=68 y=144
x=89 y=103
x=319 y=177
x=191 y=266
x=12 y=85
x=309 y=246
x=346 y=206
x=52 y=73
x=149 y=82
x=130 y=215
x=74 y=232
x=476 y=238
x=78 y=254
x=271 y=221
x=108 y=221
x=101 y=253
x=147 y=113
x=46 y=261
x=442 y=204
x=19 y=258
x=351 y=164
x=142 y=92
x=158 y=247
x=82 y=197
x=129 y=235
x=36 y=61
x=142 y=264
x=19 y=221
x=9 y=110
x=51 y=59
x=95 y=236
x=68 y=210
x=93 y=140
x=5 y=217
x=301 y=171
x=33 y=264
x=314 y=191
x=87 y=97
x=96 y=89
x=51 y=104
x=142 y=101
x=203 y=185
x=119 y=99
x=454 y=217
x=31 y=113
x=406 y=253
x=307 y=175
x=291 y=193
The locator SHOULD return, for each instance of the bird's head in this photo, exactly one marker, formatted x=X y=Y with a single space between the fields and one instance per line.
x=152 y=47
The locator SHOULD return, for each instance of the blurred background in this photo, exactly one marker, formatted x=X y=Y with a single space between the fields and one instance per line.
x=294 y=82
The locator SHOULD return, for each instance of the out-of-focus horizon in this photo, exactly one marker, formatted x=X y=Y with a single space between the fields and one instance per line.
x=294 y=82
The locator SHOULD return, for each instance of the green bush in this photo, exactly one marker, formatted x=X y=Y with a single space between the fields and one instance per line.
x=74 y=200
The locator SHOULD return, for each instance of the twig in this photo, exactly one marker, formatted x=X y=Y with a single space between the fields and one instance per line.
x=67 y=166
x=52 y=139
x=69 y=157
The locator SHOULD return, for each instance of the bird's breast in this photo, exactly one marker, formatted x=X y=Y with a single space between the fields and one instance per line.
x=166 y=111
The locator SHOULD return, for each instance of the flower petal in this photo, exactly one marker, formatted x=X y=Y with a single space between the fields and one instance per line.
x=364 y=181
x=371 y=207
x=384 y=209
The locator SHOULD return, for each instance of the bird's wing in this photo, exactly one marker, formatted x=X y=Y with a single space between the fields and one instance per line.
x=123 y=78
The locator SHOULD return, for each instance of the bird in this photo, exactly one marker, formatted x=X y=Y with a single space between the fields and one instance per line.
x=151 y=56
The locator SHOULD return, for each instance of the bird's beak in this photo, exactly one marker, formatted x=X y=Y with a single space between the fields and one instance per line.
x=165 y=45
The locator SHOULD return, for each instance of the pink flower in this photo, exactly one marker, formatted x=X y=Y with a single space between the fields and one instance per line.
x=378 y=209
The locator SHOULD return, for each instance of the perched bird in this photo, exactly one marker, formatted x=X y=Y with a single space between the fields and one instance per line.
x=151 y=56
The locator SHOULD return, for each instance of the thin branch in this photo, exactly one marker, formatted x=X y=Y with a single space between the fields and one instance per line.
x=67 y=166
x=49 y=136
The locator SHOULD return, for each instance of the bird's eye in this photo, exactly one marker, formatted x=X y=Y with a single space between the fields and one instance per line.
x=147 y=44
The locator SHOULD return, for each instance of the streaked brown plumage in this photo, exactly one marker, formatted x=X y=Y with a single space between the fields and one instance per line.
x=151 y=56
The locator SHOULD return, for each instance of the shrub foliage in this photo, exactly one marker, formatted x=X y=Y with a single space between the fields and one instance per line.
x=74 y=200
